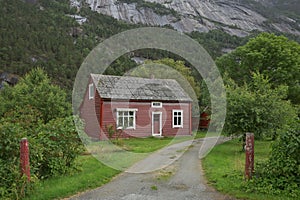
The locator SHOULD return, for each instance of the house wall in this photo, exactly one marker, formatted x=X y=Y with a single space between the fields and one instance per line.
x=89 y=112
x=144 y=117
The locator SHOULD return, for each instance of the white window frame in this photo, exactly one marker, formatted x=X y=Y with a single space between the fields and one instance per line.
x=173 y=119
x=124 y=116
x=91 y=91
x=154 y=104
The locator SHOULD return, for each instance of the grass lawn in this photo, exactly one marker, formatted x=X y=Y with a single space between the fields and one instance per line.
x=92 y=175
x=150 y=144
x=224 y=169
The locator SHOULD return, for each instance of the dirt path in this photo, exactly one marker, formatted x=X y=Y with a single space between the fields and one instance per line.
x=183 y=180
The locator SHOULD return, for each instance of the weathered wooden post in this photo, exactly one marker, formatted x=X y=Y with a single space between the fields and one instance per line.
x=24 y=158
x=249 y=165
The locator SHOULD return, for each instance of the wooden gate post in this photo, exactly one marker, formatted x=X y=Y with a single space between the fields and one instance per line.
x=249 y=164
x=24 y=158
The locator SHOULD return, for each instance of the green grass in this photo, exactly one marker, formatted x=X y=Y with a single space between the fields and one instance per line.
x=224 y=169
x=151 y=144
x=92 y=175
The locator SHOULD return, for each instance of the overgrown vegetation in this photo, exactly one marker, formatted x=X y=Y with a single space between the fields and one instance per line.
x=224 y=168
x=280 y=173
x=39 y=111
x=263 y=98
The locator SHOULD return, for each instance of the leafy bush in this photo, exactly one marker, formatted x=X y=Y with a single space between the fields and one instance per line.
x=281 y=172
x=58 y=145
x=37 y=110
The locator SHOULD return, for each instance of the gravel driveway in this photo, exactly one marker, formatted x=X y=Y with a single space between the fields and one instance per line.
x=182 y=180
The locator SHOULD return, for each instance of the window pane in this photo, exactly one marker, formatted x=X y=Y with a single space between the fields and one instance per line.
x=120 y=121
x=131 y=122
x=91 y=91
x=175 y=121
x=179 y=121
x=125 y=122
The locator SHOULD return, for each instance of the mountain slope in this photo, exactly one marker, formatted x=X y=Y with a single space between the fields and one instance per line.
x=236 y=17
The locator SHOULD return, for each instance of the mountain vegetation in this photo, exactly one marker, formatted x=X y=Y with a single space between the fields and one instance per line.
x=43 y=35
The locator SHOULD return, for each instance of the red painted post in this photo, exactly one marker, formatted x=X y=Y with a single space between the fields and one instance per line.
x=249 y=165
x=24 y=158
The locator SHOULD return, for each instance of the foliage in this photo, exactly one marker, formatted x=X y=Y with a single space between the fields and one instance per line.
x=36 y=90
x=43 y=35
x=224 y=168
x=120 y=66
x=257 y=107
x=113 y=132
x=281 y=172
x=271 y=55
x=217 y=42
x=37 y=110
x=58 y=145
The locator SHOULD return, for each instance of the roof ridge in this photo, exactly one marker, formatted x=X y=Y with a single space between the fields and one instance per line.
x=138 y=77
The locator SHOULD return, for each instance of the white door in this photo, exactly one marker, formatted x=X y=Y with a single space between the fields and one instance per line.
x=156 y=123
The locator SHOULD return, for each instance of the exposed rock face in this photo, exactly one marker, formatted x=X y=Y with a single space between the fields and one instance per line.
x=189 y=15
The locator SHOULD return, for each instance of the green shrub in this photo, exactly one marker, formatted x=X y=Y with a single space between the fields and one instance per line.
x=39 y=111
x=280 y=174
x=58 y=145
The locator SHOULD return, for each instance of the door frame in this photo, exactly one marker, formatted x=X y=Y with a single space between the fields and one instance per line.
x=160 y=123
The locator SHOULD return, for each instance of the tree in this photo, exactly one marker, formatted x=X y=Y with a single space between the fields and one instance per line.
x=274 y=56
x=36 y=90
x=39 y=111
x=257 y=107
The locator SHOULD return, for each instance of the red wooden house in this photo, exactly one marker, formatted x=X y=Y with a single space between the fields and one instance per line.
x=140 y=107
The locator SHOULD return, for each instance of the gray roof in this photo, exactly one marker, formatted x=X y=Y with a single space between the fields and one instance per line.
x=136 y=88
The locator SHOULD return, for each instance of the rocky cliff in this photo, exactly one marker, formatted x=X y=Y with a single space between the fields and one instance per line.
x=233 y=16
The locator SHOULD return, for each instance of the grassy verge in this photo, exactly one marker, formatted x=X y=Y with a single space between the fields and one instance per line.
x=92 y=175
x=224 y=169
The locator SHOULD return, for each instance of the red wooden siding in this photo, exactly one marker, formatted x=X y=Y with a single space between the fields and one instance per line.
x=89 y=115
x=144 y=117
